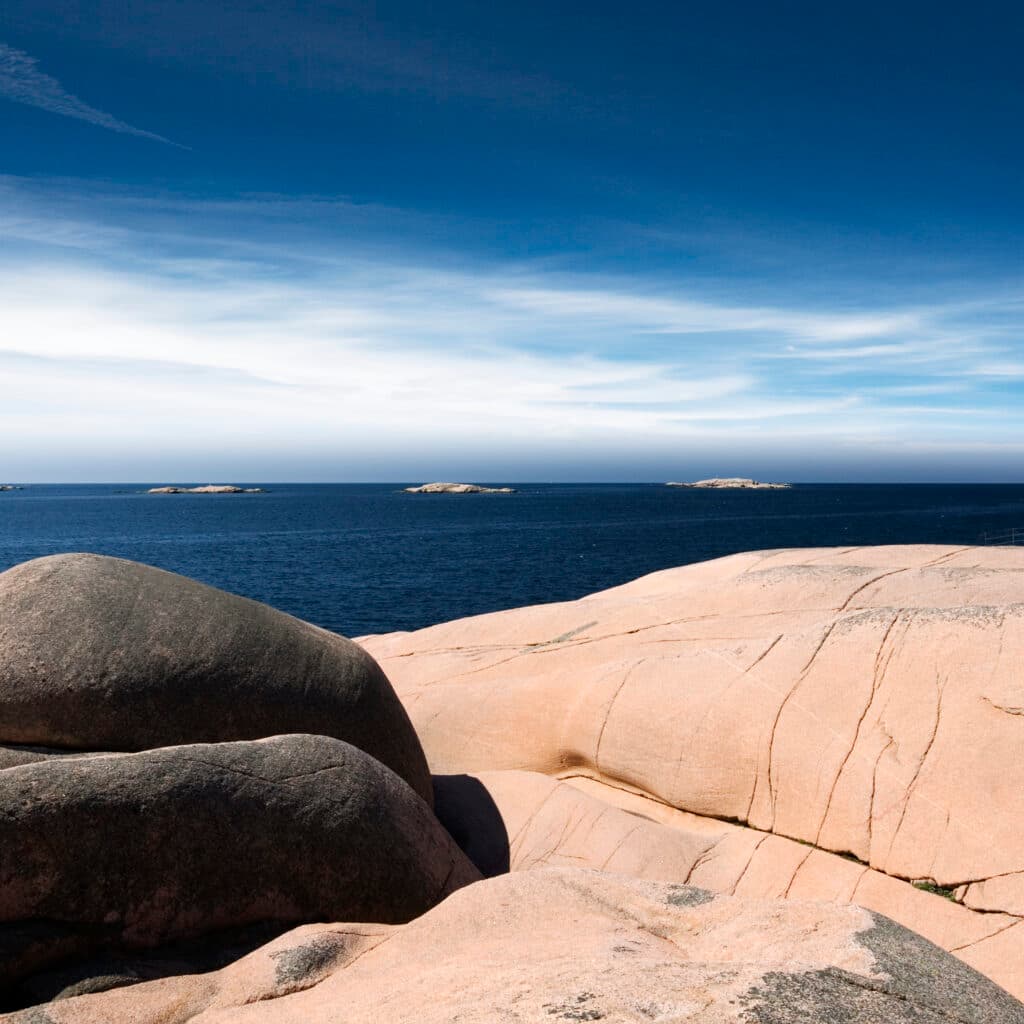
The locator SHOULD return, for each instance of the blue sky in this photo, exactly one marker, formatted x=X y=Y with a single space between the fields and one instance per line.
x=318 y=241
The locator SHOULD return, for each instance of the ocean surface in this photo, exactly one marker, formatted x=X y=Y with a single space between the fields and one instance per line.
x=367 y=558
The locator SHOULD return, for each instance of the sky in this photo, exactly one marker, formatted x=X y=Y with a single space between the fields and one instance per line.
x=261 y=241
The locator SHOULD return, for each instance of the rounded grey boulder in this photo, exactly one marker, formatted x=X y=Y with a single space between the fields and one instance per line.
x=133 y=850
x=100 y=653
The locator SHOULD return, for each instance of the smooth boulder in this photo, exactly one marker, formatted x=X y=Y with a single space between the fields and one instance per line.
x=558 y=945
x=100 y=653
x=132 y=850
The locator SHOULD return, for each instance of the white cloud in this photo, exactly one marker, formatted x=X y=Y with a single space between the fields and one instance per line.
x=117 y=332
x=680 y=316
x=340 y=360
x=23 y=82
x=1009 y=370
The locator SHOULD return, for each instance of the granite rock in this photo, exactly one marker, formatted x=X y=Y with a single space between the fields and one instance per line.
x=99 y=653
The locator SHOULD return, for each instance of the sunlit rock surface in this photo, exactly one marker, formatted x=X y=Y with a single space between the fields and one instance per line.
x=576 y=945
x=864 y=702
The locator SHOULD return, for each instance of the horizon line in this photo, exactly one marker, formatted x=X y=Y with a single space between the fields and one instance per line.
x=526 y=483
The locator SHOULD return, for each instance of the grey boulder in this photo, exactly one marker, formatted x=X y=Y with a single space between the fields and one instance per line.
x=100 y=653
x=127 y=851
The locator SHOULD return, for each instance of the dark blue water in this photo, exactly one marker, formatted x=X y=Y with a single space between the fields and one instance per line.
x=368 y=558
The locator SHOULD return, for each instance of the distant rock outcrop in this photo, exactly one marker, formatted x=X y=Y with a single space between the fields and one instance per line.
x=207 y=489
x=731 y=482
x=11 y=487
x=449 y=488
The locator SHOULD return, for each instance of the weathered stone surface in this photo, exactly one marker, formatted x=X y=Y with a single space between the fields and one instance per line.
x=132 y=850
x=11 y=755
x=570 y=945
x=864 y=701
x=105 y=654
x=523 y=820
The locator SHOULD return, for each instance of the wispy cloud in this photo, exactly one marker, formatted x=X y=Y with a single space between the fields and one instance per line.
x=23 y=82
x=1007 y=370
x=193 y=329
x=688 y=316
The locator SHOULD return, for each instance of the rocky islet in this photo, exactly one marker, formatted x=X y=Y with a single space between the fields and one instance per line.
x=206 y=489
x=451 y=488
x=734 y=483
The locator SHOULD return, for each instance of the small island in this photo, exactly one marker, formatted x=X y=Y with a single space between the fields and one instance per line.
x=207 y=489
x=449 y=488
x=732 y=483
x=11 y=487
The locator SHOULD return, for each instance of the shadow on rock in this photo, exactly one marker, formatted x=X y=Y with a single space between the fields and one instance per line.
x=467 y=810
x=115 y=970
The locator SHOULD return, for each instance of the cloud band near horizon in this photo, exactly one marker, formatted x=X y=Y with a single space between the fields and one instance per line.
x=122 y=333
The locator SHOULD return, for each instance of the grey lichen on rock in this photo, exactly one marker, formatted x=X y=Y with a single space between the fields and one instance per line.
x=300 y=963
x=918 y=983
x=688 y=896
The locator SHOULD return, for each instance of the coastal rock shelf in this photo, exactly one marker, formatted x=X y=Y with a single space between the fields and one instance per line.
x=736 y=483
x=831 y=723
x=778 y=787
x=447 y=488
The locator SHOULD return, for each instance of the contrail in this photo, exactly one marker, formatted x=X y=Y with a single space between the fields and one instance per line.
x=22 y=81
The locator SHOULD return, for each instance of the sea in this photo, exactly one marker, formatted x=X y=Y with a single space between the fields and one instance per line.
x=369 y=558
